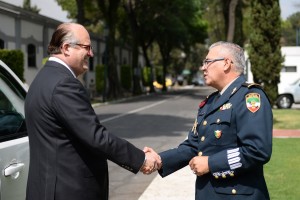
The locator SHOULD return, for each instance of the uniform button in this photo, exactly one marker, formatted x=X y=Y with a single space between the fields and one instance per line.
x=216 y=177
x=202 y=138
x=232 y=174
x=204 y=123
x=200 y=153
x=218 y=120
x=223 y=176
x=233 y=191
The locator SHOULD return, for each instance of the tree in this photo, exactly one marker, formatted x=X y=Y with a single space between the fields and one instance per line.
x=178 y=25
x=290 y=28
x=265 y=50
x=225 y=19
x=27 y=6
x=91 y=13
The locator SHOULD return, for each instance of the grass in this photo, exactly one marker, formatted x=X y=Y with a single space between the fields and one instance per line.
x=282 y=173
x=286 y=119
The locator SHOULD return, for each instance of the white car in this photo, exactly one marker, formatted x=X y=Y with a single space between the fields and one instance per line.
x=14 y=147
x=288 y=94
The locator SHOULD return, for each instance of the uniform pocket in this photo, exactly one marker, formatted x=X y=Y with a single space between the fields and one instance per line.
x=222 y=129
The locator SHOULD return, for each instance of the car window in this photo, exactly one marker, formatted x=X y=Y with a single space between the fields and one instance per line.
x=12 y=118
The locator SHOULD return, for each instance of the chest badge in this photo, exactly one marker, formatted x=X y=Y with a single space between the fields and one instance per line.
x=226 y=106
x=218 y=134
x=253 y=102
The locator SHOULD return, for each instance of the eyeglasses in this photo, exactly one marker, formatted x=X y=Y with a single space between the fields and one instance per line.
x=206 y=62
x=87 y=47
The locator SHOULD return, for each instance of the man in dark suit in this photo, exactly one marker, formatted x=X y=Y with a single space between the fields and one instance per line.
x=69 y=147
x=231 y=138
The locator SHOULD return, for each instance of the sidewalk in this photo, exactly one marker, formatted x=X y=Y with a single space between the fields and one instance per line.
x=181 y=184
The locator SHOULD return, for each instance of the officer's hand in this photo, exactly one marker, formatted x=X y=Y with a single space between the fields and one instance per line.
x=199 y=165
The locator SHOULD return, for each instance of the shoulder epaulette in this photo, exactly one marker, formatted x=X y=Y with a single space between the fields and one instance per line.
x=250 y=85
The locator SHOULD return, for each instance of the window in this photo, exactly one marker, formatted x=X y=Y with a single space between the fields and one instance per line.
x=31 y=51
x=1 y=44
x=289 y=69
x=12 y=120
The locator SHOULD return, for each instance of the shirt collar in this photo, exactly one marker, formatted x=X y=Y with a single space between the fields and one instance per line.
x=55 y=59
x=223 y=90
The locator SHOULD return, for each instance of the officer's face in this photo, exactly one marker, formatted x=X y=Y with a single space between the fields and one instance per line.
x=212 y=68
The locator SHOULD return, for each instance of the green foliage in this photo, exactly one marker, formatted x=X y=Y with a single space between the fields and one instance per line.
x=27 y=6
x=126 y=77
x=289 y=29
x=159 y=73
x=146 y=72
x=99 y=76
x=15 y=60
x=265 y=50
x=282 y=172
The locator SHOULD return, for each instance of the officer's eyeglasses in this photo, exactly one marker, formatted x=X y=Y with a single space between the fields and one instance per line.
x=207 y=62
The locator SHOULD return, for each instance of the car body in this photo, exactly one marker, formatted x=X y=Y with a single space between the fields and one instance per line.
x=14 y=147
x=157 y=85
x=288 y=94
x=199 y=81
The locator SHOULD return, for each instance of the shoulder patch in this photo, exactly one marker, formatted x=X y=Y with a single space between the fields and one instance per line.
x=250 y=85
x=253 y=101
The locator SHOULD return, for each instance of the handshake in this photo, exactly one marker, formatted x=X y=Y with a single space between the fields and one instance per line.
x=152 y=161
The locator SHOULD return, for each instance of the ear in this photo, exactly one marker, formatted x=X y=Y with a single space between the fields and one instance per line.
x=228 y=64
x=65 y=49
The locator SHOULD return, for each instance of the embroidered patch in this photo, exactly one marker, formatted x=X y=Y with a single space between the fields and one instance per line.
x=253 y=102
x=218 y=134
x=226 y=106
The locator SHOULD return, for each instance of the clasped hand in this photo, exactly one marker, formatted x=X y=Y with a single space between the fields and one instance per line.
x=152 y=163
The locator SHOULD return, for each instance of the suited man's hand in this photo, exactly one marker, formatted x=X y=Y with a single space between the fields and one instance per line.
x=152 y=162
x=199 y=165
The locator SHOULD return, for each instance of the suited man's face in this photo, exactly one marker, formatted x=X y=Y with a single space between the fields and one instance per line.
x=80 y=52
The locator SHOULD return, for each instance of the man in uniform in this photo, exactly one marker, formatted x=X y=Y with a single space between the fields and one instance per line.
x=231 y=139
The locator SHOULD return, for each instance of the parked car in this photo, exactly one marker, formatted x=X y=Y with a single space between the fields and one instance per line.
x=288 y=94
x=14 y=147
x=198 y=81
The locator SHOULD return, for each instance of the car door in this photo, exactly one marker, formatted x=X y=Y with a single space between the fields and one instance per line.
x=297 y=92
x=14 y=148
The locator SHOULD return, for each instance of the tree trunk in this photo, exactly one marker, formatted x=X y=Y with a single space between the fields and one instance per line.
x=231 y=20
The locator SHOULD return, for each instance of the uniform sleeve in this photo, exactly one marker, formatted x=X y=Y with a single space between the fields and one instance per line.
x=72 y=107
x=177 y=158
x=254 y=122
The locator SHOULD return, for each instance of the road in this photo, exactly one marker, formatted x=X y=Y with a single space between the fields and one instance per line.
x=160 y=121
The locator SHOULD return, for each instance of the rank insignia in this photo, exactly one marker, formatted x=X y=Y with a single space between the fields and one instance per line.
x=253 y=102
x=226 y=106
x=218 y=134
x=233 y=91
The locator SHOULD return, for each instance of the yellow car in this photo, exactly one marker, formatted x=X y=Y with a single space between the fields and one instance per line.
x=160 y=86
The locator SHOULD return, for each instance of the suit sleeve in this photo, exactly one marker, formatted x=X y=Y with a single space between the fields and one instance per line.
x=254 y=139
x=72 y=106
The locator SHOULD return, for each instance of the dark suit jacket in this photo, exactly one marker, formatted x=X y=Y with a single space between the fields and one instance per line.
x=236 y=133
x=69 y=147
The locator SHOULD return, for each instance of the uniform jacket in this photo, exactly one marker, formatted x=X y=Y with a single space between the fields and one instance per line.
x=235 y=131
x=69 y=147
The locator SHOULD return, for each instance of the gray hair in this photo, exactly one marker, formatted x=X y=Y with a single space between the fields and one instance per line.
x=237 y=53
